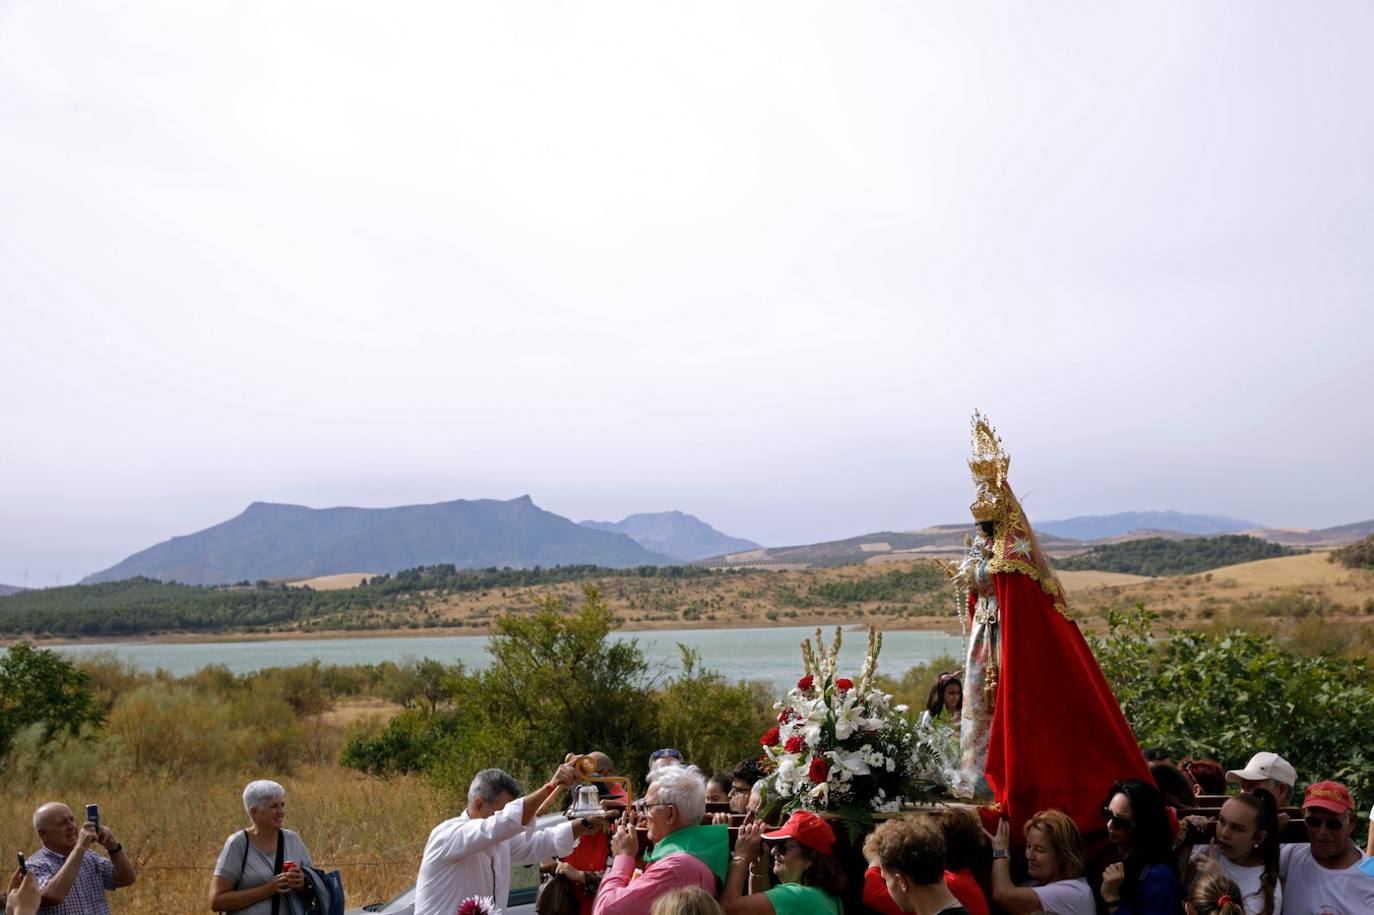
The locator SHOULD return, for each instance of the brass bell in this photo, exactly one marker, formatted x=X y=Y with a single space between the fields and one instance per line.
x=586 y=803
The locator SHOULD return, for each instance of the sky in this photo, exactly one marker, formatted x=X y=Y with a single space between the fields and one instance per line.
x=754 y=261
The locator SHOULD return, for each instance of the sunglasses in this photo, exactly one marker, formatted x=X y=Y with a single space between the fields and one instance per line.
x=1116 y=820
x=1317 y=822
x=669 y=751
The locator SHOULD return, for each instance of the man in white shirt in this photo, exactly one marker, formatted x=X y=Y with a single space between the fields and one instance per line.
x=472 y=854
x=1324 y=876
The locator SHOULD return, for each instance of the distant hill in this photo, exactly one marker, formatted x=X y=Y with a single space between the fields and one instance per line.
x=881 y=546
x=1340 y=535
x=1096 y=527
x=1158 y=556
x=6 y=590
x=273 y=541
x=1359 y=555
x=675 y=534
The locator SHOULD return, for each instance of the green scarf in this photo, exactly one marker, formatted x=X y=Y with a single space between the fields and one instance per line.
x=708 y=844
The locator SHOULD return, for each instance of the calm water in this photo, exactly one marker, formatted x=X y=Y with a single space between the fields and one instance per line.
x=758 y=654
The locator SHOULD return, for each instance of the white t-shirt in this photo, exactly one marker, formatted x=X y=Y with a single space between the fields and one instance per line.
x=1310 y=889
x=1067 y=897
x=1247 y=878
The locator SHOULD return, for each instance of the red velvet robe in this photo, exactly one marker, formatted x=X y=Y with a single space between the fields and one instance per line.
x=1058 y=737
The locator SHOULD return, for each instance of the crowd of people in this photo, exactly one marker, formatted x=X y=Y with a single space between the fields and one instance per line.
x=951 y=860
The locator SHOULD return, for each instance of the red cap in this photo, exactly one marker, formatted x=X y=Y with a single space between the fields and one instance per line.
x=808 y=829
x=1331 y=796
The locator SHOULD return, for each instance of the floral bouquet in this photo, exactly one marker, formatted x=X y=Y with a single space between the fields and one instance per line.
x=478 y=905
x=841 y=747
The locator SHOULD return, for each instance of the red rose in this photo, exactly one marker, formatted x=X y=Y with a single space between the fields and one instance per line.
x=844 y=684
x=785 y=714
x=806 y=682
x=770 y=739
x=819 y=769
x=793 y=745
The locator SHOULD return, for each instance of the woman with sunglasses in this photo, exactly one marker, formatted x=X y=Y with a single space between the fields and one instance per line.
x=1145 y=879
x=1246 y=850
x=811 y=878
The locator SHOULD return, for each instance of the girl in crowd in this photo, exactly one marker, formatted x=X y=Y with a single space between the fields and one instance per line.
x=812 y=879
x=1246 y=850
x=1214 y=894
x=945 y=703
x=262 y=862
x=1054 y=860
x=1145 y=879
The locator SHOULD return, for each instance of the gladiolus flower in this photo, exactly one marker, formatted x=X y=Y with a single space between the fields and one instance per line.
x=769 y=739
x=818 y=770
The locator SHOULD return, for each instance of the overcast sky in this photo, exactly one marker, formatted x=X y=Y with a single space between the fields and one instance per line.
x=755 y=261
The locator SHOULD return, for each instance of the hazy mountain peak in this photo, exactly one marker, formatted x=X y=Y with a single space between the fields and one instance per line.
x=272 y=540
x=1095 y=527
x=675 y=533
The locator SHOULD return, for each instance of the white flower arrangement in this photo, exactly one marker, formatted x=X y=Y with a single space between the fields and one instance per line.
x=842 y=747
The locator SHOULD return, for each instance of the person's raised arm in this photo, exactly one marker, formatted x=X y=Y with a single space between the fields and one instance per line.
x=1017 y=900
x=56 y=889
x=123 y=865
x=748 y=848
x=565 y=776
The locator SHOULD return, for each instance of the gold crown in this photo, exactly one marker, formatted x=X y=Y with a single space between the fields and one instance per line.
x=989 y=463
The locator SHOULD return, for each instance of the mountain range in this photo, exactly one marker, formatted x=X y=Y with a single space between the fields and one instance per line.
x=274 y=541
x=675 y=534
x=6 y=590
x=1096 y=527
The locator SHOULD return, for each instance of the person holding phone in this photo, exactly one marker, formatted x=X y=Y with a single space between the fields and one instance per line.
x=23 y=897
x=259 y=868
x=72 y=879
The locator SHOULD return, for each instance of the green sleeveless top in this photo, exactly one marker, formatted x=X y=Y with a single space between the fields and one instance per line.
x=795 y=899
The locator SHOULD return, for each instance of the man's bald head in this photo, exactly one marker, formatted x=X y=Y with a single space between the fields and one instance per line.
x=603 y=762
x=56 y=827
x=49 y=814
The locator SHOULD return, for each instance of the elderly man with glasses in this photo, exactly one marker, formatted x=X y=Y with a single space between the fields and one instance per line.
x=1325 y=876
x=685 y=853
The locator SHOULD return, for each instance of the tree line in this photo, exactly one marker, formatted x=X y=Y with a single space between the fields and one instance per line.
x=1158 y=556
x=142 y=605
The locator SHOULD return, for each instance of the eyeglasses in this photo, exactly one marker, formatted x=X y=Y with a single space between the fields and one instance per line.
x=645 y=805
x=1116 y=820
x=1317 y=822
x=667 y=751
x=740 y=789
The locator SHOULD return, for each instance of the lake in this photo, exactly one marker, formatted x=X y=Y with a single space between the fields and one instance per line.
x=772 y=654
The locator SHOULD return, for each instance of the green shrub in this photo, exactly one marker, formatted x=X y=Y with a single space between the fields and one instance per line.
x=1228 y=695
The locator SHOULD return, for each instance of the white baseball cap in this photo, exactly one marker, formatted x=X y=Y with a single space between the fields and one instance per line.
x=1265 y=765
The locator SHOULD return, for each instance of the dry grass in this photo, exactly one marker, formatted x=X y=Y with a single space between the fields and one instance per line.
x=1278 y=591
x=333 y=582
x=372 y=830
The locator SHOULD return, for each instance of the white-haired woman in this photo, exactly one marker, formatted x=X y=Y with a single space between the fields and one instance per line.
x=258 y=871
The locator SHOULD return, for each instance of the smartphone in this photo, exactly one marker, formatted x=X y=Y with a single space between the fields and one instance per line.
x=23 y=865
x=93 y=815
